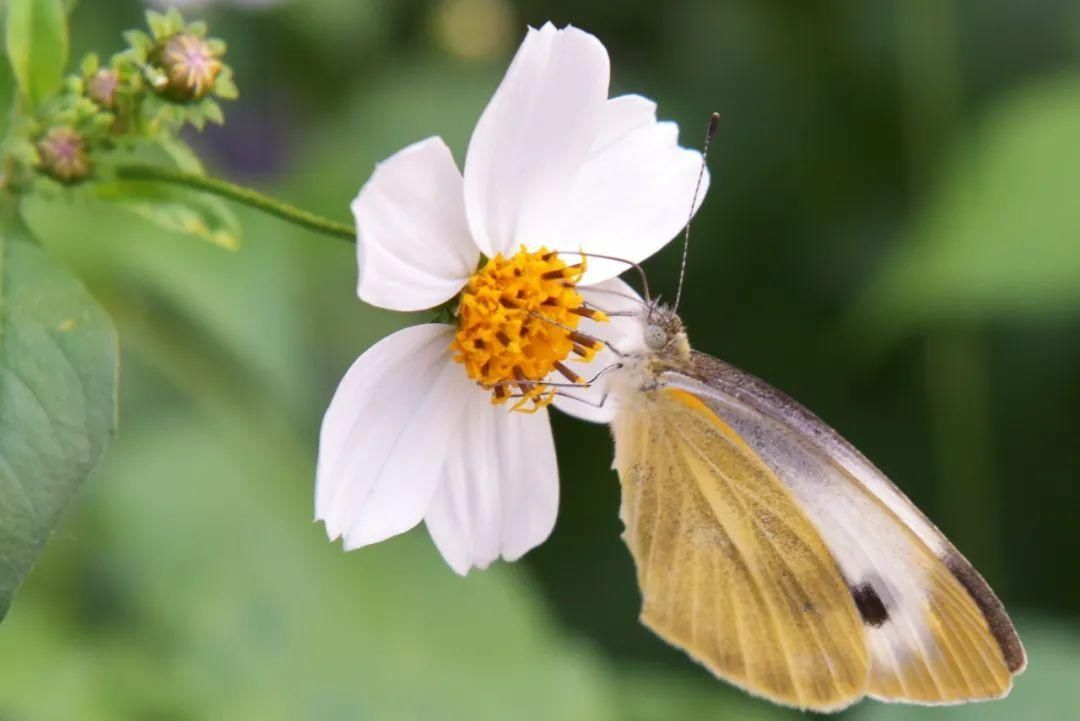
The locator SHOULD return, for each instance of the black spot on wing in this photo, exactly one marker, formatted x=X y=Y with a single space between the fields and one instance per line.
x=871 y=607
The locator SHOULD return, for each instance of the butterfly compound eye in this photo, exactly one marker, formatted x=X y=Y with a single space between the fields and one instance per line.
x=656 y=337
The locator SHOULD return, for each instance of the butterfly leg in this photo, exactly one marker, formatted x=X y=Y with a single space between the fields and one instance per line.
x=582 y=383
x=581 y=339
x=586 y=401
x=571 y=396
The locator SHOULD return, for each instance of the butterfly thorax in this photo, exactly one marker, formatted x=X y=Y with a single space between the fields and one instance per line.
x=661 y=345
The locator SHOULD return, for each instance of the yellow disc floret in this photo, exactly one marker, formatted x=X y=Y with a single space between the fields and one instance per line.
x=517 y=322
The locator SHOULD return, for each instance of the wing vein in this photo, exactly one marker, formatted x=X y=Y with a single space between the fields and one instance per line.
x=753 y=575
x=743 y=492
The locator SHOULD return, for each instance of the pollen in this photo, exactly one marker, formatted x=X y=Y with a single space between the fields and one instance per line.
x=517 y=322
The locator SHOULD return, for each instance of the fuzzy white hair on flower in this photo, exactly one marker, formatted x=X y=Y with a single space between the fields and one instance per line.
x=448 y=424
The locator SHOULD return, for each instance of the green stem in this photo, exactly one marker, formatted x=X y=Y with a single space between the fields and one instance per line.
x=239 y=194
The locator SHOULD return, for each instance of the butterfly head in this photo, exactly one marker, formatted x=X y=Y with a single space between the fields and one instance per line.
x=664 y=335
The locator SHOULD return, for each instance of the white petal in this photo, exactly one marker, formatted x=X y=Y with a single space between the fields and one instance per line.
x=624 y=333
x=413 y=244
x=633 y=194
x=502 y=491
x=533 y=139
x=386 y=435
x=620 y=116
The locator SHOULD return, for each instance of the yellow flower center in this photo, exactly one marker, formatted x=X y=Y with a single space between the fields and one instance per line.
x=517 y=322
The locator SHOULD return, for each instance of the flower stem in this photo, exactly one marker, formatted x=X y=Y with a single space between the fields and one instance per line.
x=239 y=194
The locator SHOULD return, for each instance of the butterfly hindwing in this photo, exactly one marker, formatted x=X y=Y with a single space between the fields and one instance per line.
x=730 y=568
x=935 y=632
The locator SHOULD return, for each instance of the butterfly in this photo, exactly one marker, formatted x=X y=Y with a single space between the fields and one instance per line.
x=772 y=552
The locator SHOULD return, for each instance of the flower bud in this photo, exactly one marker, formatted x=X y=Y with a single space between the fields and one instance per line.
x=63 y=154
x=190 y=65
x=101 y=88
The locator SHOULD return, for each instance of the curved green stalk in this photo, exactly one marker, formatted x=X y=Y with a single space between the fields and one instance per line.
x=239 y=194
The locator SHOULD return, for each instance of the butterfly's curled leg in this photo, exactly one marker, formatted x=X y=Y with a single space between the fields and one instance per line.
x=591 y=310
x=580 y=340
x=585 y=383
x=586 y=401
x=630 y=263
x=564 y=394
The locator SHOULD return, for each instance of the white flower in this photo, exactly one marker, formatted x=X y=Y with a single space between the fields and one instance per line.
x=423 y=425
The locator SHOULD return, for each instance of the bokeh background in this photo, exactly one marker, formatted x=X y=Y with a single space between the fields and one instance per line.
x=892 y=236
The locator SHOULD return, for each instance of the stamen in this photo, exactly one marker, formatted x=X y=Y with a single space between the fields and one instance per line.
x=577 y=269
x=591 y=313
x=504 y=340
x=567 y=373
x=523 y=382
x=584 y=340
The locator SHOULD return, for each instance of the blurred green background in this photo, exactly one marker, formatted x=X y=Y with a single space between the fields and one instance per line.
x=892 y=236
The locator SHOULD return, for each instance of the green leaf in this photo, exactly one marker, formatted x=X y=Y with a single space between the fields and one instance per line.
x=181 y=154
x=1001 y=237
x=7 y=95
x=58 y=362
x=172 y=208
x=178 y=210
x=659 y=694
x=390 y=633
x=37 y=45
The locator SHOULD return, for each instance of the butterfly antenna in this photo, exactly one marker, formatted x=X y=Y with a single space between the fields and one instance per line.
x=714 y=121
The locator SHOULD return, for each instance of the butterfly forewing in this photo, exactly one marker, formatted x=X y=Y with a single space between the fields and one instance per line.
x=730 y=568
x=933 y=630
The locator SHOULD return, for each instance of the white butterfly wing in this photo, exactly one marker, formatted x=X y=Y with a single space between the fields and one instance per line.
x=935 y=631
